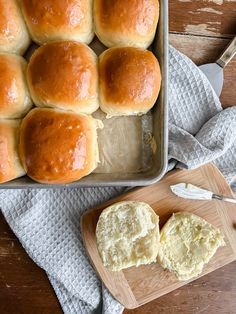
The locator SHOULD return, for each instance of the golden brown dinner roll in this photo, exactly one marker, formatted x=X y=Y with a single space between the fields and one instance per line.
x=126 y=23
x=52 y=20
x=130 y=81
x=10 y=166
x=58 y=146
x=14 y=36
x=64 y=75
x=15 y=100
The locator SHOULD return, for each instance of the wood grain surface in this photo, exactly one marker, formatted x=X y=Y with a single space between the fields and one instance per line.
x=24 y=287
x=207 y=50
x=136 y=286
x=215 y=18
x=200 y=29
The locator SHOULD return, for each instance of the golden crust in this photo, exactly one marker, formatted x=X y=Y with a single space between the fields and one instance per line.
x=14 y=37
x=129 y=79
x=58 y=147
x=51 y=20
x=126 y=23
x=14 y=94
x=10 y=166
x=64 y=75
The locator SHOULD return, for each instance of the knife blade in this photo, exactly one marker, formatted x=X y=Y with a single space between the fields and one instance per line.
x=215 y=75
x=190 y=191
x=214 y=71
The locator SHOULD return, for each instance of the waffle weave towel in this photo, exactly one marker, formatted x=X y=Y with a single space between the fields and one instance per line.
x=47 y=221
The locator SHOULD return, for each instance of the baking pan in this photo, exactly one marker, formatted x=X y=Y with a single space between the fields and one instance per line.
x=154 y=150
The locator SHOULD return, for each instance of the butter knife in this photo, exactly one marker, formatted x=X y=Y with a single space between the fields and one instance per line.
x=189 y=191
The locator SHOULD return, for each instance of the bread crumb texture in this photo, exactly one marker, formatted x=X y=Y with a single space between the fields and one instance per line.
x=127 y=235
x=187 y=243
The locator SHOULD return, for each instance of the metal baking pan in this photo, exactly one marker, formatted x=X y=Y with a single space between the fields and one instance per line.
x=159 y=123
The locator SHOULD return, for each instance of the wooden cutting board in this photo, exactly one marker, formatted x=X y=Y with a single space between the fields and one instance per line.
x=138 y=285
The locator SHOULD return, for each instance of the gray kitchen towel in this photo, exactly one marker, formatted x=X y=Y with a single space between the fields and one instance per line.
x=47 y=221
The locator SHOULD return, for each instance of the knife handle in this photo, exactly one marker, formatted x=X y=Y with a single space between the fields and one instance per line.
x=228 y=54
x=224 y=198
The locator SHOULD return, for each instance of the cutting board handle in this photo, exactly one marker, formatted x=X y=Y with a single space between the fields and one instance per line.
x=228 y=54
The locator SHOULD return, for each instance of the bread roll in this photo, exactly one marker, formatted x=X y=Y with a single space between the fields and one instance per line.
x=15 y=100
x=187 y=242
x=127 y=235
x=14 y=36
x=64 y=75
x=53 y=20
x=58 y=147
x=130 y=81
x=10 y=166
x=126 y=23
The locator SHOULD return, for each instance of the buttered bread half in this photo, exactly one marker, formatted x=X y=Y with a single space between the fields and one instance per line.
x=187 y=243
x=127 y=235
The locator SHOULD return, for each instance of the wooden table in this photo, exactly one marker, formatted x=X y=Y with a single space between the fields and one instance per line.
x=200 y=29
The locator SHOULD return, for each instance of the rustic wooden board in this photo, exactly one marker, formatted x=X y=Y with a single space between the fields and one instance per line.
x=207 y=50
x=136 y=286
x=203 y=17
x=24 y=287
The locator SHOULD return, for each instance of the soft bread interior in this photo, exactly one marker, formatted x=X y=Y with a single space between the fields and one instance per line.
x=187 y=243
x=98 y=125
x=127 y=235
